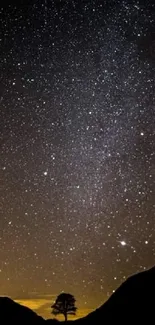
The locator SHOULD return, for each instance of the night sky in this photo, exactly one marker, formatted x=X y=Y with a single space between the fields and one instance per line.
x=77 y=126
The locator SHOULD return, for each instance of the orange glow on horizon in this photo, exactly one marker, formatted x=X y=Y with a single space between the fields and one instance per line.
x=42 y=307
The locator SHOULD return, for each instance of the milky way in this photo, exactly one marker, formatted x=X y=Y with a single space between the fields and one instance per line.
x=77 y=146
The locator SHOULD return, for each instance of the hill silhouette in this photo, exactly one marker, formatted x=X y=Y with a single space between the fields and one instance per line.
x=14 y=313
x=133 y=302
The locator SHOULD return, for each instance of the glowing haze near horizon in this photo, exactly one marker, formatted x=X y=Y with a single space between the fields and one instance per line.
x=77 y=96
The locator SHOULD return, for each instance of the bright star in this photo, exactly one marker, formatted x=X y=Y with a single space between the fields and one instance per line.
x=123 y=243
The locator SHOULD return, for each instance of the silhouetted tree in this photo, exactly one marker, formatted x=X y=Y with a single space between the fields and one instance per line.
x=65 y=305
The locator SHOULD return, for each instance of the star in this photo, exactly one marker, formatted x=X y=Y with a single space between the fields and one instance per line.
x=123 y=243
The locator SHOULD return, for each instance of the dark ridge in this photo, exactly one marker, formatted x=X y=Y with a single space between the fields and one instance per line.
x=132 y=302
x=14 y=313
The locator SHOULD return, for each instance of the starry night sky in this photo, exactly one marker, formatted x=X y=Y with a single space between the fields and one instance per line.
x=77 y=97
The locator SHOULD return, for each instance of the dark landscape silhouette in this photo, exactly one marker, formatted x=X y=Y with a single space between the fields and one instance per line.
x=133 y=302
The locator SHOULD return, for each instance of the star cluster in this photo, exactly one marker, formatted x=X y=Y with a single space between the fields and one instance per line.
x=77 y=120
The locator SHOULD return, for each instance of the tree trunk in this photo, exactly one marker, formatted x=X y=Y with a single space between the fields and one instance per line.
x=65 y=317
